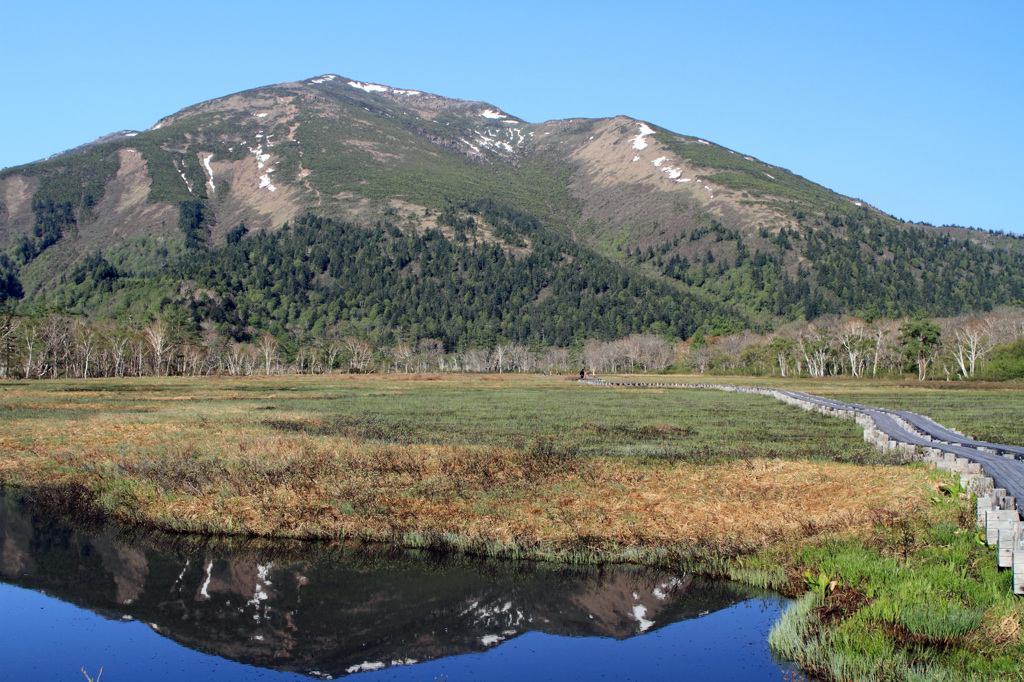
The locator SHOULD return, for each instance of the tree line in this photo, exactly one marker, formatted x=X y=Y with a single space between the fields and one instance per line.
x=963 y=347
x=60 y=346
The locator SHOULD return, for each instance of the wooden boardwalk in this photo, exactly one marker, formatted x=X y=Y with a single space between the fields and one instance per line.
x=993 y=471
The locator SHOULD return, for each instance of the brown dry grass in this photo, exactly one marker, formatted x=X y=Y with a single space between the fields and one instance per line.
x=296 y=486
x=203 y=460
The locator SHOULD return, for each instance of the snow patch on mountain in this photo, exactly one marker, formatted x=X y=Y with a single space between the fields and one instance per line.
x=368 y=87
x=638 y=141
x=373 y=87
x=183 y=178
x=672 y=172
x=265 y=181
x=209 y=170
x=491 y=113
x=500 y=141
x=327 y=78
x=261 y=161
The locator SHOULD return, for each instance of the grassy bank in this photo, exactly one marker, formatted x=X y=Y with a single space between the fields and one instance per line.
x=732 y=485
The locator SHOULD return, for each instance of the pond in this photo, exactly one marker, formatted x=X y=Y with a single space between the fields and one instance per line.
x=175 y=608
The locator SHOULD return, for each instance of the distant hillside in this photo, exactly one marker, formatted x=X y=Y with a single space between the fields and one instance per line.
x=607 y=226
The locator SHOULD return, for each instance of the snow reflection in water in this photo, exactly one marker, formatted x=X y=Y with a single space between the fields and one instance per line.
x=325 y=614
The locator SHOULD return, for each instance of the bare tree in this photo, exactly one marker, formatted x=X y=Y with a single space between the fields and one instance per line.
x=158 y=339
x=138 y=356
x=57 y=341
x=968 y=342
x=83 y=338
x=403 y=355
x=268 y=348
x=699 y=359
x=195 y=360
x=650 y=352
x=316 y=360
x=360 y=353
x=598 y=356
x=851 y=336
x=30 y=341
x=519 y=358
x=815 y=349
x=883 y=336
x=331 y=352
x=429 y=355
x=251 y=360
x=302 y=360
x=235 y=359
x=500 y=356
x=555 y=359
x=475 y=360
x=117 y=341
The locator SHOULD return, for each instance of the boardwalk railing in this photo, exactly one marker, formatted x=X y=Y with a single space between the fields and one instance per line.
x=994 y=472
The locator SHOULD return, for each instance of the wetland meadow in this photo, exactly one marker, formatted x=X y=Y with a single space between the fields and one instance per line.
x=882 y=557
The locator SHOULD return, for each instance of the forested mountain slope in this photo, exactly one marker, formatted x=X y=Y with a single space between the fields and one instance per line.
x=429 y=217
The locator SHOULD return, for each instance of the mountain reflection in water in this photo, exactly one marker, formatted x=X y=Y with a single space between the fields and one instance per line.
x=328 y=613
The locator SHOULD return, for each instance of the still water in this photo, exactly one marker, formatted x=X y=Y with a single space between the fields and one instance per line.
x=174 y=609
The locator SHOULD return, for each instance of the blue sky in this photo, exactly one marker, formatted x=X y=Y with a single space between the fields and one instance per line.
x=914 y=107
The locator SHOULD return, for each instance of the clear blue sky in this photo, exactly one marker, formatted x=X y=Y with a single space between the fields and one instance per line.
x=914 y=107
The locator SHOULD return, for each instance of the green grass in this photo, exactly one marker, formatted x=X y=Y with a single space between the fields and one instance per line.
x=701 y=426
x=928 y=604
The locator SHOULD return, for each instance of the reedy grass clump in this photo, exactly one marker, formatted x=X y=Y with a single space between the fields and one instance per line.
x=936 y=609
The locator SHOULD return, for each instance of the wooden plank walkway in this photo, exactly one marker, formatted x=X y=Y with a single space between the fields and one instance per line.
x=993 y=471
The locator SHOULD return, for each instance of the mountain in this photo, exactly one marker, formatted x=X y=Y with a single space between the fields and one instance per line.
x=611 y=225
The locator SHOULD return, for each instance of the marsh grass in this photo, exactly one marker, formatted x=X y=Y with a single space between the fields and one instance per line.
x=540 y=464
x=933 y=608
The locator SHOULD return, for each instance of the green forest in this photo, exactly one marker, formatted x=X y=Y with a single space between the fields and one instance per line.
x=853 y=263
x=318 y=273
